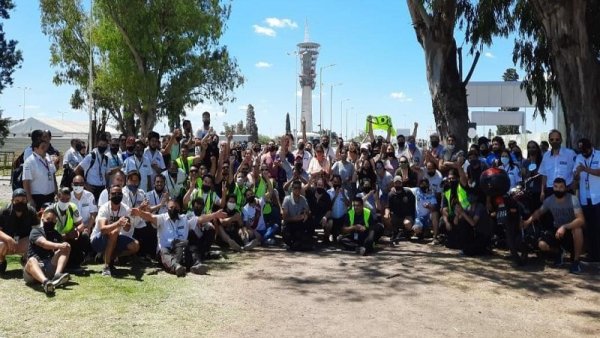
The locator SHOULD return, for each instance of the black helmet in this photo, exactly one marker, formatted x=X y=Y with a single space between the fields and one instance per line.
x=494 y=182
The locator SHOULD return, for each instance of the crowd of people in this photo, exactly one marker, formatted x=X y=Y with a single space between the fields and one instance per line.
x=171 y=199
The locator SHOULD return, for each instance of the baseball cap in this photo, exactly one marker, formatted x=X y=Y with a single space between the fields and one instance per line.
x=397 y=178
x=20 y=192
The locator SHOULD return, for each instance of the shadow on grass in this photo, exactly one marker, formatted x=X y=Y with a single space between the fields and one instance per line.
x=407 y=268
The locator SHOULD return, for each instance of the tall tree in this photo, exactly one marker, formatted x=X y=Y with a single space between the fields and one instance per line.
x=240 y=129
x=152 y=58
x=10 y=56
x=288 y=126
x=251 y=127
x=510 y=74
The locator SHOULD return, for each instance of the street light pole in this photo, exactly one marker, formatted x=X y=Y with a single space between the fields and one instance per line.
x=24 y=90
x=342 y=116
x=321 y=95
x=296 y=61
x=331 y=109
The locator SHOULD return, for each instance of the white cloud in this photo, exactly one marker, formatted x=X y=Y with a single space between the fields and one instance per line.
x=281 y=23
x=400 y=96
x=263 y=64
x=489 y=55
x=260 y=30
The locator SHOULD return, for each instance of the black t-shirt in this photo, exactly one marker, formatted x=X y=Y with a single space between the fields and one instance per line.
x=318 y=207
x=36 y=250
x=402 y=203
x=358 y=219
x=13 y=226
x=510 y=213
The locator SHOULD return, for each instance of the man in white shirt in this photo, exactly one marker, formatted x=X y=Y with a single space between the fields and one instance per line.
x=158 y=198
x=434 y=177
x=201 y=132
x=112 y=235
x=39 y=176
x=173 y=231
x=175 y=179
x=73 y=157
x=154 y=156
x=86 y=204
x=94 y=167
x=305 y=155
x=587 y=172
x=138 y=162
x=558 y=162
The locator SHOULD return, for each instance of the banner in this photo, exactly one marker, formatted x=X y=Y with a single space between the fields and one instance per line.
x=381 y=122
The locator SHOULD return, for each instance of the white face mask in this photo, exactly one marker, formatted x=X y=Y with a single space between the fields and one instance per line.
x=239 y=181
x=450 y=147
x=77 y=189
x=231 y=206
x=62 y=205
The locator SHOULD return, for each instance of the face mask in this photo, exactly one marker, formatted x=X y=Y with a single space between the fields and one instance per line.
x=251 y=199
x=450 y=147
x=560 y=194
x=102 y=150
x=114 y=150
x=401 y=144
x=404 y=165
x=366 y=189
x=139 y=154
x=390 y=154
x=505 y=160
x=178 y=138
x=173 y=174
x=173 y=214
x=454 y=184
x=116 y=199
x=77 y=189
x=586 y=155
x=431 y=173
x=19 y=207
x=48 y=225
x=301 y=146
x=325 y=144
x=62 y=205
x=412 y=146
x=424 y=188
x=485 y=151
x=320 y=191
x=239 y=181
x=206 y=123
x=205 y=188
x=78 y=147
x=130 y=149
x=231 y=206
x=132 y=187
x=197 y=211
x=435 y=143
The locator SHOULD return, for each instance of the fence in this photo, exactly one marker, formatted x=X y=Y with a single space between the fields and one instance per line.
x=6 y=161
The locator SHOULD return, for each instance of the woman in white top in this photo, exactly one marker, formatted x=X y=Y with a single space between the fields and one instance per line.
x=507 y=164
x=319 y=163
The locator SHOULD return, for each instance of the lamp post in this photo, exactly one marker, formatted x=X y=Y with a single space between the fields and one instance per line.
x=342 y=116
x=331 y=108
x=25 y=89
x=321 y=95
x=351 y=108
x=296 y=54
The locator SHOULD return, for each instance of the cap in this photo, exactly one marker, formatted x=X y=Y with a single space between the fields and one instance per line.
x=397 y=178
x=134 y=172
x=19 y=192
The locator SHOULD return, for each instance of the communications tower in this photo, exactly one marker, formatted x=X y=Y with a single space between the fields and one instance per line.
x=308 y=53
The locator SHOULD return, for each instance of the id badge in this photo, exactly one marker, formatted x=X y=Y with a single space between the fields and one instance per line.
x=356 y=236
x=587 y=185
x=50 y=176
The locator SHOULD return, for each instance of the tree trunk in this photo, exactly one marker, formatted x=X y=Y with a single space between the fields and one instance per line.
x=448 y=93
x=575 y=65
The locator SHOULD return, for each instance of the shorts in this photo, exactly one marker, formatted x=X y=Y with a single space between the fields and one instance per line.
x=99 y=243
x=549 y=236
x=47 y=268
x=422 y=223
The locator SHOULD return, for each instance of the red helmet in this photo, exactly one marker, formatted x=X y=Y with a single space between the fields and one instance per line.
x=494 y=182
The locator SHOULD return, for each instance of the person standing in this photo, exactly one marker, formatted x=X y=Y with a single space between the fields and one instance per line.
x=587 y=172
x=94 y=167
x=559 y=162
x=39 y=176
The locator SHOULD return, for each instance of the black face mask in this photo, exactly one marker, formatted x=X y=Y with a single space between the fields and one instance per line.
x=116 y=199
x=130 y=149
x=390 y=154
x=19 y=207
x=325 y=144
x=198 y=211
x=435 y=143
x=78 y=147
x=320 y=191
x=366 y=189
x=173 y=214
x=173 y=174
x=401 y=144
x=178 y=138
x=206 y=123
x=102 y=150
x=453 y=184
x=139 y=154
x=205 y=189
x=586 y=155
x=48 y=225
x=431 y=173
x=485 y=151
x=301 y=146
x=251 y=199
x=114 y=150
x=560 y=194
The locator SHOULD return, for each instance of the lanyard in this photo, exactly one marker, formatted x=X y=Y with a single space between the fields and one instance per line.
x=174 y=228
x=137 y=167
x=114 y=217
x=101 y=158
x=171 y=181
x=587 y=177
x=44 y=162
x=134 y=202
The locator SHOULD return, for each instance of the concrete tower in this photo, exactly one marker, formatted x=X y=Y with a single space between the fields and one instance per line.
x=308 y=53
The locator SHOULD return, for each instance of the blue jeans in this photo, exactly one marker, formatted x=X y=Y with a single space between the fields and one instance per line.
x=268 y=232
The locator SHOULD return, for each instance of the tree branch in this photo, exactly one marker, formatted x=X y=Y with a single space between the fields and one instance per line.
x=136 y=55
x=466 y=81
x=417 y=12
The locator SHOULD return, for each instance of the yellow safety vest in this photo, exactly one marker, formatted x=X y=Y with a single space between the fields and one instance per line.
x=366 y=215
x=68 y=221
x=463 y=198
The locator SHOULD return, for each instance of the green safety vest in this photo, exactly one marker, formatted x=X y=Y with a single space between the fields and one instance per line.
x=185 y=165
x=240 y=196
x=462 y=198
x=208 y=203
x=68 y=221
x=366 y=215
x=261 y=191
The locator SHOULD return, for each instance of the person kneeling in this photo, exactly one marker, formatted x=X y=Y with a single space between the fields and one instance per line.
x=360 y=231
x=47 y=255
x=473 y=227
x=178 y=251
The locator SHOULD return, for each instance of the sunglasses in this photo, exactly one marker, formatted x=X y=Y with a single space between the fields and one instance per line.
x=554 y=140
x=194 y=171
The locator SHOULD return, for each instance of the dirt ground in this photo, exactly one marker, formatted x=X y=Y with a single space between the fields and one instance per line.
x=415 y=290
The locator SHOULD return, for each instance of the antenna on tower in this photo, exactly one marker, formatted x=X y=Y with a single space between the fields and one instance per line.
x=306 y=39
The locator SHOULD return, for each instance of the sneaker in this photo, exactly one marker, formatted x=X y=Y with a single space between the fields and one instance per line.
x=560 y=259
x=233 y=245
x=48 y=287
x=180 y=270
x=575 y=268
x=60 y=279
x=254 y=243
x=271 y=242
x=361 y=250
x=3 y=266
x=199 y=269
x=106 y=271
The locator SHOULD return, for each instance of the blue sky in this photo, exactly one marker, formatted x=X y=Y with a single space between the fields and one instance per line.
x=377 y=60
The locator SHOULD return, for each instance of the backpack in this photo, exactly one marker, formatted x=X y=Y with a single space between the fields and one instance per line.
x=16 y=178
x=91 y=165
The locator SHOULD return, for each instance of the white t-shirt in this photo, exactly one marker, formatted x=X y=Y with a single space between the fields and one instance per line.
x=72 y=158
x=560 y=165
x=154 y=158
x=143 y=167
x=316 y=167
x=306 y=157
x=174 y=186
x=86 y=205
x=154 y=199
x=133 y=200
x=97 y=173
x=169 y=230
x=589 y=185
x=105 y=213
x=249 y=214
x=435 y=181
x=103 y=198
x=40 y=171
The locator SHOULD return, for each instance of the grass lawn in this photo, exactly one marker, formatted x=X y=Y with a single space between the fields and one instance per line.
x=138 y=301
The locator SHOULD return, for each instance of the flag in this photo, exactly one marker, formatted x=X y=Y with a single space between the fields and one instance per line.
x=381 y=122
